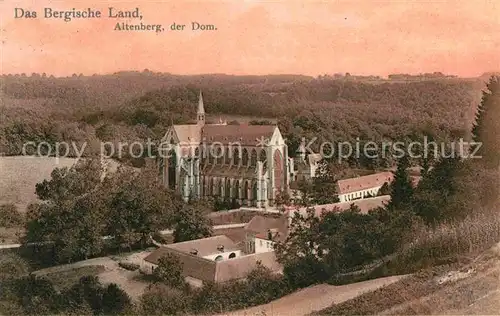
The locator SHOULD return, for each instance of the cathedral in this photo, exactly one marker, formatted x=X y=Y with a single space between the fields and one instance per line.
x=247 y=164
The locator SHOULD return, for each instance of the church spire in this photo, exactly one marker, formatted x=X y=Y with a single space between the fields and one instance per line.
x=201 y=111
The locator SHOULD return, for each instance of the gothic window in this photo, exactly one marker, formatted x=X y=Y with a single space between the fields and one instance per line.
x=254 y=191
x=211 y=156
x=253 y=158
x=263 y=158
x=245 y=191
x=211 y=187
x=219 y=186
x=244 y=158
x=236 y=156
x=218 y=155
x=236 y=193
x=227 y=189
x=278 y=170
x=172 y=163
x=227 y=157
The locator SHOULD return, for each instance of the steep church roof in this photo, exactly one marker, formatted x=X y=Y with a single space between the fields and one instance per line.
x=249 y=135
x=188 y=133
x=244 y=134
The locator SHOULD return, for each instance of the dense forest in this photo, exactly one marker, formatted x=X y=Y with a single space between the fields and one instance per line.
x=132 y=106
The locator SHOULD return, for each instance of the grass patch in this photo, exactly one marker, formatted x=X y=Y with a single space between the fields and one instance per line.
x=449 y=243
x=391 y=295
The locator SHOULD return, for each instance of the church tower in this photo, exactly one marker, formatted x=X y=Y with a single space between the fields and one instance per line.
x=200 y=119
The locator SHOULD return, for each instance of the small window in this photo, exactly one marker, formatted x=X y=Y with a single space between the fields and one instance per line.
x=218 y=258
x=232 y=255
x=261 y=243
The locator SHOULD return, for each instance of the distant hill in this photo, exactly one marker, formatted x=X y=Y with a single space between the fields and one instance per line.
x=130 y=106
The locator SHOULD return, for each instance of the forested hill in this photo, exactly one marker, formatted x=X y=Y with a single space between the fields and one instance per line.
x=136 y=105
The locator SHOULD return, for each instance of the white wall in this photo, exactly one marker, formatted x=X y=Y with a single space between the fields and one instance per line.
x=359 y=194
x=263 y=245
x=225 y=255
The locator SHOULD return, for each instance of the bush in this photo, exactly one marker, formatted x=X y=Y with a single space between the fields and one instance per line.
x=128 y=265
x=10 y=217
x=160 y=299
x=169 y=271
x=260 y=287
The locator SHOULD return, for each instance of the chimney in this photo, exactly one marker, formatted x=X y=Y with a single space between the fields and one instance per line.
x=220 y=248
x=194 y=252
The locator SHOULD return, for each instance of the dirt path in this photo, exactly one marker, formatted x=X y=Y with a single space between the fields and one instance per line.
x=315 y=298
x=113 y=272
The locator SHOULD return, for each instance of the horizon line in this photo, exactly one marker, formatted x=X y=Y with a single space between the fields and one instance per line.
x=343 y=74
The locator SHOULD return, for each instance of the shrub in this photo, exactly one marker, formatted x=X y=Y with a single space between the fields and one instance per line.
x=128 y=265
x=169 y=271
x=160 y=299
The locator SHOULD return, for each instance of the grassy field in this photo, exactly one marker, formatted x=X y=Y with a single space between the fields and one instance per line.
x=433 y=291
x=19 y=174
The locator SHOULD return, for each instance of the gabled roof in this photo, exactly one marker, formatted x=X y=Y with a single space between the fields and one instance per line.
x=260 y=226
x=205 y=246
x=188 y=133
x=364 y=205
x=250 y=135
x=364 y=183
x=240 y=267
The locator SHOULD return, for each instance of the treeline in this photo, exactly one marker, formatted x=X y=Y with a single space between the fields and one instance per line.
x=135 y=106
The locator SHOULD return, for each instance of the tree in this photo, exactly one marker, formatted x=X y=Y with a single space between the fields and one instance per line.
x=401 y=187
x=139 y=205
x=37 y=296
x=115 y=301
x=159 y=299
x=71 y=214
x=324 y=184
x=66 y=184
x=486 y=129
x=191 y=223
x=87 y=292
x=435 y=197
x=169 y=270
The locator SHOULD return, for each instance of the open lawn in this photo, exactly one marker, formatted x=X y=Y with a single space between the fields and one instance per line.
x=20 y=174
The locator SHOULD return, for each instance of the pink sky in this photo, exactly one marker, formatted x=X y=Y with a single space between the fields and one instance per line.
x=260 y=37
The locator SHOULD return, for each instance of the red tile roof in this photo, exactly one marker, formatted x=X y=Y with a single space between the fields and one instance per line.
x=364 y=205
x=364 y=183
x=244 y=134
